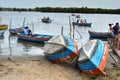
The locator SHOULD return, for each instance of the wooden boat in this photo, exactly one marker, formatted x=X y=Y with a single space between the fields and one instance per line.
x=45 y=20
x=3 y=27
x=82 y=24
x=77 y=16
x=60 y=49
x=16 y=30
x=103 y=35
x=93 y=57
x=35 y=37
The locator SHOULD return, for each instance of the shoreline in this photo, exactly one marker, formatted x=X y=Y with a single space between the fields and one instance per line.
x=39 y=68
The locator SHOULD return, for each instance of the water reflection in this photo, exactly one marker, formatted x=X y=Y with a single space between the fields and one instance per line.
x=28 y=45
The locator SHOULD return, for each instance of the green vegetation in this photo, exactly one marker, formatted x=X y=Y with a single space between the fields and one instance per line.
x=65 y=10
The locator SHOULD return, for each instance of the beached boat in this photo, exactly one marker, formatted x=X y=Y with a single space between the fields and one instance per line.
x=60 y=49
x=103 y=35
x=35 y=37
x=15 y=31
x=93 y=57
x=82 y=24
x=3 y=27
x=46 y=20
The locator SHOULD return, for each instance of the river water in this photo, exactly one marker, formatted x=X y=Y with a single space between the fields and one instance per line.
x=11 y=46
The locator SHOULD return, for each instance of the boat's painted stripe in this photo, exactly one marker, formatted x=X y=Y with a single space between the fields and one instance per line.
x=70 y=48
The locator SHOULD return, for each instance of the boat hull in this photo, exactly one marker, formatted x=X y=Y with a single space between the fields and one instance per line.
x=96 y=64
x=100 y=69
x=82 y=24
x=35 y=38
x=72 y=55
x=46 y=21
x=68 y=52
x=16 y=31
x=102 y=35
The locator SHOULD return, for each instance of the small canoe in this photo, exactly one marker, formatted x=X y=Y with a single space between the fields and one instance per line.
x=82 y=24
x=101 y=35
x=46 y=20
x=93 y=57
x=3 y=27
x=60 y=49
x=35 y=37
x=16 y=30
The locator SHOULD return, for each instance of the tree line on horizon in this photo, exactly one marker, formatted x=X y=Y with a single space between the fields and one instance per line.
x=65 y=10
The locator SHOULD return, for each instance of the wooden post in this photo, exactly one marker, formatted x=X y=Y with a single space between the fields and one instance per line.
x=62 y=31
x=10 y=23
x=24 y=21
x=71 y=29
x=32 y=26
x=0 y=20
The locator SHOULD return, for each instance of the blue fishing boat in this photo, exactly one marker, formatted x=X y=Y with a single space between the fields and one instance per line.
x=93 y=57
x=100 y=35
x=60 y=48
x=82 y=24
x=16 y=30
x=35 y=37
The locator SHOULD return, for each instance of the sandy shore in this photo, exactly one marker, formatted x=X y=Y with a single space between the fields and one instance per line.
x=38 y=68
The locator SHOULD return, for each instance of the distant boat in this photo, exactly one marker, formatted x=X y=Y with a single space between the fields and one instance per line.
x=77 y=16
x=35 y=37
x=3 y=27
x=82 y=24
x=103 y=35
x=16 y=30
x=60 y=49
x=93 y=57
x=46 y=20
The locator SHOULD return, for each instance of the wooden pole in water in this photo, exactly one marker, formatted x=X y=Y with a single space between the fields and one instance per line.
x=71 y=29
x=62 y=31
x=32 y=26
x=0 y=20
x=24 y=21
x=10 y=23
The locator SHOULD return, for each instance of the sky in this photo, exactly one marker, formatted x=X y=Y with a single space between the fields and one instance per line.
x=108 y=4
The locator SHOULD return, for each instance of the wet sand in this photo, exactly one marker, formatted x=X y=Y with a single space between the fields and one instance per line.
x=38 y=68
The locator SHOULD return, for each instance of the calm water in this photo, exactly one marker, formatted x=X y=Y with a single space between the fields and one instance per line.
x=14 y=47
